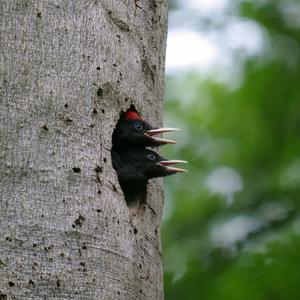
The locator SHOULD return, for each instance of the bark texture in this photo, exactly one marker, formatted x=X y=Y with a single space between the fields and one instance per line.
x=67 y=68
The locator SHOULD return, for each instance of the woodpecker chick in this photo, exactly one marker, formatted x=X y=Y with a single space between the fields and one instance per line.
x=135 y=167
x=133 y=130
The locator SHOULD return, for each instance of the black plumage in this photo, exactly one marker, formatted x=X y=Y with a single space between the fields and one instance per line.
x=135 y=164
x=133 y=130
x=139 y=165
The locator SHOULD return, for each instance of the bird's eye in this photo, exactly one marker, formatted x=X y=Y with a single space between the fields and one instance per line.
x=151 y=156
x=138 y=126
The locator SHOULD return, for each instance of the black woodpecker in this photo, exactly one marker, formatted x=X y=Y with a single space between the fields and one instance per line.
x=133 y=131
x=133 y=163
x=135 y=166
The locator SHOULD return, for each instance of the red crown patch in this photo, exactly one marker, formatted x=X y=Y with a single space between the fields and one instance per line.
x=131 y=115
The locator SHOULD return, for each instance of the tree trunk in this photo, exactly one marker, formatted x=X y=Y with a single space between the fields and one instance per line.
x=67 y=69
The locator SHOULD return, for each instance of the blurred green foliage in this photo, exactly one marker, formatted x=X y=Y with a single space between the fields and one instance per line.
x=232 y=224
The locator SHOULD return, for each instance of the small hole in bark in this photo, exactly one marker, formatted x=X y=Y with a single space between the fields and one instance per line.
x=39 y=14
x=100 y=92
x=45 y=127
x=66 y=105
x=58 y=283
x=68 y=121
x=10 y=283
x=30 y=282
x=118 y=293
x=98 y=169
x=95 y=111
x=76 y=170
x=99 y=192
x=103 y=111
x=135 y=231
x=104 y=159
x=79 y=221
x=98 y=68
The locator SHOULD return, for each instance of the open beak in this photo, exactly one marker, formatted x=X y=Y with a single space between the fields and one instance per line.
x=151 y=133
x=161 y=130
x=167 y=163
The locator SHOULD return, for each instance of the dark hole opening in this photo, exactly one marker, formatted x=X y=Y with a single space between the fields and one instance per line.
x=133 y=187
x=76 y=170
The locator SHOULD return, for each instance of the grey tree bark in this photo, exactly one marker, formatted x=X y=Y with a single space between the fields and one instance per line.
x=67 y=69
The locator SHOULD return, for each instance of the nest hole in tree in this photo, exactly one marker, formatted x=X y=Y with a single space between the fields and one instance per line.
x=134 y=192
